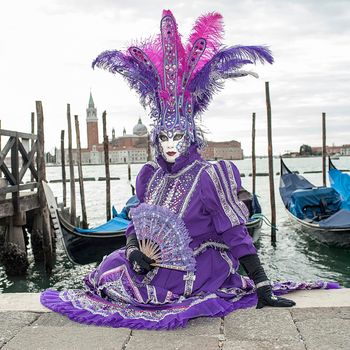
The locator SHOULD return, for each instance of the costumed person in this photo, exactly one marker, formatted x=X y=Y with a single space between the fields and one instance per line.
x=188 y=236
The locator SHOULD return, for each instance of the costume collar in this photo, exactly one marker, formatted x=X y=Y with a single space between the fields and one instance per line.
x=180 y=162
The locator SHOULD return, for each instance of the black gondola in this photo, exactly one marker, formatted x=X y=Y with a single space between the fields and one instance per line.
x=317 y=211
x=90 y=246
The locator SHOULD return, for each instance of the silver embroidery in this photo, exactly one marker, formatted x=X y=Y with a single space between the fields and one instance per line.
x=230 y=193
x=231 y=215
x=232 y=179
x=209 y=244
x=229 y=262
x=189 y=279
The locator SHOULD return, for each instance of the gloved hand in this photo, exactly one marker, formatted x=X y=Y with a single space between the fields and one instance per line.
x=251 y=264
x=267 y=298
x=140 y=262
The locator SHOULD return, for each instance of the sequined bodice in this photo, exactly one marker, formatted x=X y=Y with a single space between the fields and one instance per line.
x=174 y=191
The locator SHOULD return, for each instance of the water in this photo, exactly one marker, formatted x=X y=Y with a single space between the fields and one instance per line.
x=296 y=256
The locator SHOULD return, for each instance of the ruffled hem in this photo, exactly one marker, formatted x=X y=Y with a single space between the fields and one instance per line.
x=211 y=307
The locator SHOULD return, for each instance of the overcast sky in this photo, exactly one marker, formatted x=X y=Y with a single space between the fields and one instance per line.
x=47 y=46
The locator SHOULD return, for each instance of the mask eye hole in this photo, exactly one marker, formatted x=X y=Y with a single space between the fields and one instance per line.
x=178 y=136
x=163 y=137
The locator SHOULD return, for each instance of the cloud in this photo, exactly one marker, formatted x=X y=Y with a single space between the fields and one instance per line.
x=48 y=47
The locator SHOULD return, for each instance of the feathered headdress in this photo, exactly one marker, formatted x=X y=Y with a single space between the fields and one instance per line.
x=177 y=82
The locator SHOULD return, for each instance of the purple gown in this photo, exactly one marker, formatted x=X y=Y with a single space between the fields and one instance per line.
x=204 y=195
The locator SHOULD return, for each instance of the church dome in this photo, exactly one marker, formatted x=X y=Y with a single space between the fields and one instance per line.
x=139 y=129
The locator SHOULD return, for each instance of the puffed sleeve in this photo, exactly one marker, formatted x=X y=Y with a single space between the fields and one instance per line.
x=220 y=183
x=142 y=180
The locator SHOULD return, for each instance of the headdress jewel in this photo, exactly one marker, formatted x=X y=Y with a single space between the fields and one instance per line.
x=177 y=82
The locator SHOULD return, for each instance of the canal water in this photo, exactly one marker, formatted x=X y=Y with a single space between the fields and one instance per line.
x=296 y=256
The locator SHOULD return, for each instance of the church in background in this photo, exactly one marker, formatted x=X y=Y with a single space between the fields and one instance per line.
x=135 y=147
x=127 y=148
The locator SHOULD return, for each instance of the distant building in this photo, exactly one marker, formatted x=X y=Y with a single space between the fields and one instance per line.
x=127 y=148
x=230 y=150
x=331 y=150
x=345 y=150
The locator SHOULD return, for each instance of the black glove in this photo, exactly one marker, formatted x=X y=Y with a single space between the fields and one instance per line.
x=252 y=266
x=139 y=262
x=266 y=298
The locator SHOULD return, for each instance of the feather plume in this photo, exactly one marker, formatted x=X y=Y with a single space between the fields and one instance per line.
x=209 y=27
x=209 y=79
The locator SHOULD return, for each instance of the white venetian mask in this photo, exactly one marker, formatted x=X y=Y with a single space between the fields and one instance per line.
x=172 y=145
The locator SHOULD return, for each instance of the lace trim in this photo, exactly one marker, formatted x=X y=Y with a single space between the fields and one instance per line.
x=189 y=279
x=229 y=262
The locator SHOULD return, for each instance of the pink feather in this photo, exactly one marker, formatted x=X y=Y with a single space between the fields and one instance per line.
x=211 y=28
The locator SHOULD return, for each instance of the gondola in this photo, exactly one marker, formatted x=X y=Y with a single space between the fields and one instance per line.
x=86 y=246
x=317 y=211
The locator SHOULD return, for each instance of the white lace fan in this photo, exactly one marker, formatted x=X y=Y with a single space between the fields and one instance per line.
x=163 y=237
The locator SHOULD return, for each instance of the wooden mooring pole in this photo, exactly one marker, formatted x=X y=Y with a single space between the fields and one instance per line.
x=108 y=178
x=71 y=169
x=324 y=150
x=46 y=226
x=63 y=167
x=253 y=155
x=80 y=172
x=270 y=154
x=32 y=130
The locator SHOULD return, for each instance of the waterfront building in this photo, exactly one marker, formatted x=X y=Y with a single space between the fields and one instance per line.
x=127 y=148
x=230 y=150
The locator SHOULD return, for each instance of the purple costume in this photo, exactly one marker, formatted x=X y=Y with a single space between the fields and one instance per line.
x=205 y=196
x=177 y=83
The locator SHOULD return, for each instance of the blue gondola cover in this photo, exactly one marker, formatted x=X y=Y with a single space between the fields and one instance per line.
x=341 y=183
x=318 y=201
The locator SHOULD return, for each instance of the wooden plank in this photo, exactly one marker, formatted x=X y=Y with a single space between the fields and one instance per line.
x=15 y=173
x=28 y=161
x=32 y=130
x=270 y=153
x=8 y=176
x=71 y=169
x=47 y=242
x=108 y=179
x=17 y=134
x=16 y=188
x=324 y=150
x=26 y=203
x=63 y=168
x=3 y=153
x=80 y=172
x=253 y=155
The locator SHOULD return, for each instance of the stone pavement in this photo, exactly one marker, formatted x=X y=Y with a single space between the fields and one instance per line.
x=308 y=326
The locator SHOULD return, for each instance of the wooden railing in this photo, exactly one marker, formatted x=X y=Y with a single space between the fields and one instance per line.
x=21 y=161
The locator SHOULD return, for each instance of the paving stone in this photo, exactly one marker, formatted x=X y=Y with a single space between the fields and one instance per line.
x=171 y=341
x=325 y=333
x=320 y=313
x=262 y=345
x=56 y=320
x=12 y=322
x=203 y=326
x=58 y=338
x=270 y=324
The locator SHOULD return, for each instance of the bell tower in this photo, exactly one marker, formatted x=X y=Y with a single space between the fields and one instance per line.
x=91 y=124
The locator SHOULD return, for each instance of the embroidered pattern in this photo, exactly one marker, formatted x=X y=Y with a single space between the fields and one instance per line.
x=231 y=215
x=174 y=191
x=232 y=179
x=189 y=279
x=209 y=244
x=229 y=192
x=229 y=262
